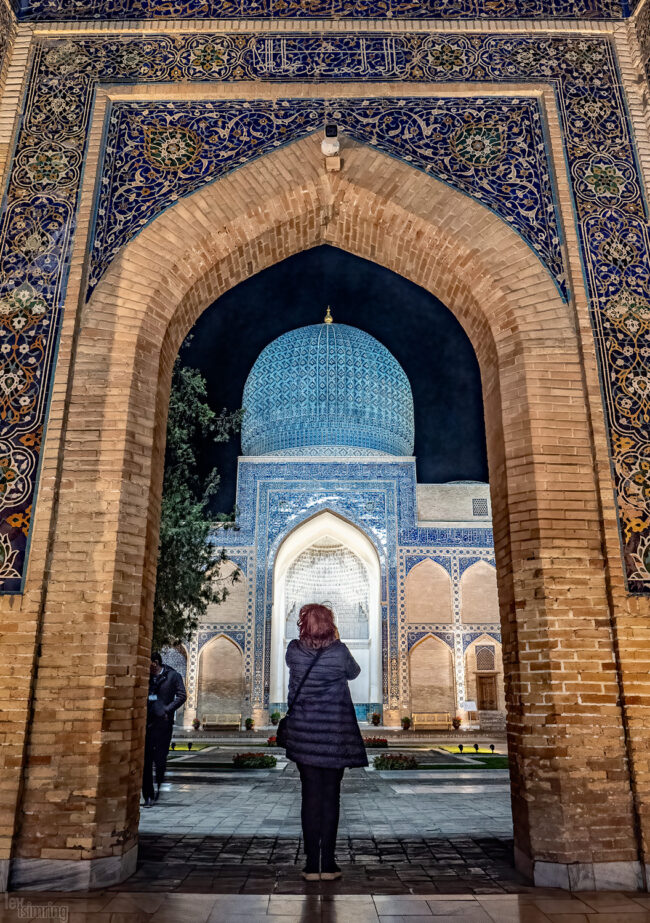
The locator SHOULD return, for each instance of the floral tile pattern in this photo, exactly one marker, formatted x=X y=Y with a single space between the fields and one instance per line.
x=38 y=217
x=324 y=9
x=492 y=149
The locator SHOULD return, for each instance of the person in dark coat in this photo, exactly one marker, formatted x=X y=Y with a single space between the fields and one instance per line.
x=323 y=736
x=166 y=694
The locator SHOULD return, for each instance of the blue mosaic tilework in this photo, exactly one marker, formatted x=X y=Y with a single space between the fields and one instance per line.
x=470 y=636
x=236 y=634
x=467 y=561
x=491 y=149
x=414 y=636
x=327 y=385
x=410 y=561
x=41 y=10
x=175 y=659
x=39 y=208
x=377 y=495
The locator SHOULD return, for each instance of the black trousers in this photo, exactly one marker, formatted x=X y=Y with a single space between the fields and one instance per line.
x=321 y=791
x=156 y=747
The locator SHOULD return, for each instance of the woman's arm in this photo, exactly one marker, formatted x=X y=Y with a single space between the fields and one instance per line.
x=352 y=668
x=288 y=657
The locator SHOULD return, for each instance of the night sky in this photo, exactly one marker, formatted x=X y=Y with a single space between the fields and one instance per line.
x=419 y=331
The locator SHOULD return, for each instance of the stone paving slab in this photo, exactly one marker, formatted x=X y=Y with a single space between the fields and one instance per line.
x=400 y=833
x=536 y=906
x=380 y=803
x=272 y=865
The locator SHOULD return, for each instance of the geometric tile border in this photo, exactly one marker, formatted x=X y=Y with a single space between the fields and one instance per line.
x=53 y=10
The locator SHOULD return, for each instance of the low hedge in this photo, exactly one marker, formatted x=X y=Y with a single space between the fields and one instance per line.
x=395 y=761
x=375 y=742
x=254 y=761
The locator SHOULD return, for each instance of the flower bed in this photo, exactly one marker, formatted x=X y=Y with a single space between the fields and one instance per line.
x=254 y=761
x=395 y=761
x=375 y=742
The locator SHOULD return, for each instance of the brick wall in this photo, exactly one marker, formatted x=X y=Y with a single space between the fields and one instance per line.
x=431 y=670
x=428 y=594
x=478 y=594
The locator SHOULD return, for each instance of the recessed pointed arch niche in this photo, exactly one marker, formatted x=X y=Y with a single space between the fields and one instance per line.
x=329 y=560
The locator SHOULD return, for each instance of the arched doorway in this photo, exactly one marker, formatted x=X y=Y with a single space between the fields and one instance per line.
x=115 y=368
x=431 y=671
x=220 y=680
x=328 y=560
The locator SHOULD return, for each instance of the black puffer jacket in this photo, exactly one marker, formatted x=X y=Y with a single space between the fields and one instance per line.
x=323 y=729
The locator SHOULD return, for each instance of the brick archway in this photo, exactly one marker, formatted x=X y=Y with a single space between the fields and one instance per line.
x=541 y=459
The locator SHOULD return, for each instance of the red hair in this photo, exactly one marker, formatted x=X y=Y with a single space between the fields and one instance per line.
x=316 y=624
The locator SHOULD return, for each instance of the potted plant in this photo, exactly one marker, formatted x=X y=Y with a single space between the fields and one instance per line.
x=375 y=718
x=272 y=741
x=406 y=723
x=455 y=723
x=275 y=717
x=249 y=724
x=196 y=724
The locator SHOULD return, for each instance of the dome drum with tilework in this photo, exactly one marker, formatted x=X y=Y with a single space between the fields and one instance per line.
x=327 y=389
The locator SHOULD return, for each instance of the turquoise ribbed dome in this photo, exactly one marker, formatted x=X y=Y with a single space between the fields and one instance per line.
x=327 y=389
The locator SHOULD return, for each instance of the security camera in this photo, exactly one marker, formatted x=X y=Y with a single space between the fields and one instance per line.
x=330 y=144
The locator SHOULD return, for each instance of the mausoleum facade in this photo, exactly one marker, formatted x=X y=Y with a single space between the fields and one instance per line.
x=329 y=510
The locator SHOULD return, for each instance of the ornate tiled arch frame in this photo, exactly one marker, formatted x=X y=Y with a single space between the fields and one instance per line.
x=608 y=199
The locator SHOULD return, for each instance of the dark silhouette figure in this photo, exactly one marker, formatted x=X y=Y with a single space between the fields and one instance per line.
x=166 y=694
x=323 y=735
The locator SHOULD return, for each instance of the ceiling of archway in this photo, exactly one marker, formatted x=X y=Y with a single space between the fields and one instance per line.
x=55 y=10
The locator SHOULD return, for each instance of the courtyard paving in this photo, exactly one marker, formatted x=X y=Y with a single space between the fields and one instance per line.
x=199 y=800
x=224 y=847
x=439 y=830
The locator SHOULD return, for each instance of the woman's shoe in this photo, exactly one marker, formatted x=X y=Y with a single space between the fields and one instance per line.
x=309 y=875
x=330 y=872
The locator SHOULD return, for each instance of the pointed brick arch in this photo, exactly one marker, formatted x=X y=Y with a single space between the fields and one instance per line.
x=431 y=677
x=106 y=488
x=428 y=593
x=220 y=687
x=479 y=601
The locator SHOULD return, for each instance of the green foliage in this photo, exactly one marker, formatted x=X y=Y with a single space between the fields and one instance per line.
x=275 y=717
x=190 y=571
x=395 y=761
x=254 y=761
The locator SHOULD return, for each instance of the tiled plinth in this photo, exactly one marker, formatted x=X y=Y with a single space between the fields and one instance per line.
x=64 y=875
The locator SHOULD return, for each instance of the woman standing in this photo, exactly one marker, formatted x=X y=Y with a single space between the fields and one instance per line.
x=323 y=736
